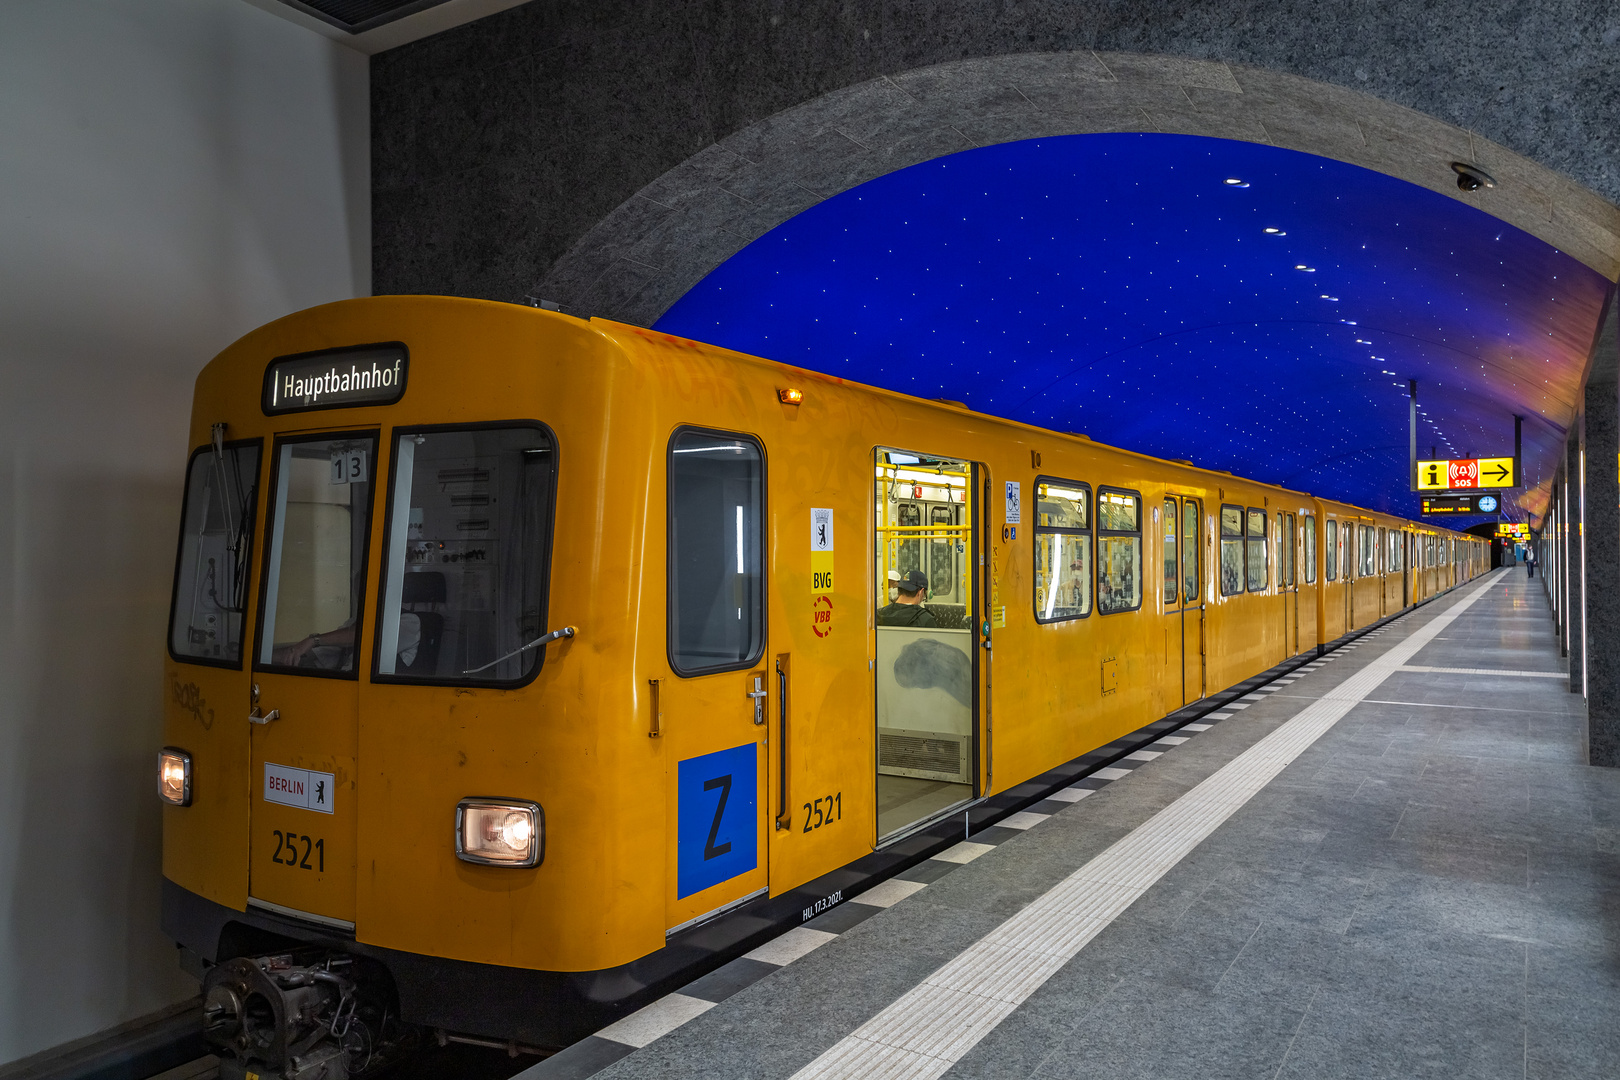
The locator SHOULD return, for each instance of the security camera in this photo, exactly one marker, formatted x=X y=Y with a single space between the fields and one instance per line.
x=1472 y=177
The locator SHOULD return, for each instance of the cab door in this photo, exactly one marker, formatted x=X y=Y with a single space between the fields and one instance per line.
x=1183 y=598
x=717 y=700
x=304 y=763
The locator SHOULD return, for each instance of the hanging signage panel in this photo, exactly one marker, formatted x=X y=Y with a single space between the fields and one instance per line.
x=1442 y=505
x=336 y=379
x=1463 y=474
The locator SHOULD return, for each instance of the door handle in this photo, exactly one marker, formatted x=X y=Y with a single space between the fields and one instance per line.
x=255 y=716
x=759 y=693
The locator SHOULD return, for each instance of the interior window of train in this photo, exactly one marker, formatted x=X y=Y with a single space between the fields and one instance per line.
x=315 y=569
x=1330 y=549
x=1062 y=549
x=463 y=591
x=1393 y=543
x=1308 y=522
x=1255 y=546
x=1119 y=554
x=716 y=543
x=1231 y=550
x=216 y=541
x=1369 y=551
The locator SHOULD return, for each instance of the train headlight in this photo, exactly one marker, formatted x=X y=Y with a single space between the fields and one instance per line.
x=500 y=832
x=174 y=776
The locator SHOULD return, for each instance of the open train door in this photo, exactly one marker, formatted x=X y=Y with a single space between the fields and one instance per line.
x=926 y=655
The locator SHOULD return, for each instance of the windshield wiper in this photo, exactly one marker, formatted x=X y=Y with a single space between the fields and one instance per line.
x=565 y=632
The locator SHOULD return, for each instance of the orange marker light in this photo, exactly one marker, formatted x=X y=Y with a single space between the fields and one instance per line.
x=791 y=396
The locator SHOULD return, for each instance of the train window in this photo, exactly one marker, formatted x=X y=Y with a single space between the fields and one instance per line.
x=1255 y=545
x=1309 y=523
x=1062 y=550
x=1119 y=551
x=1231 y=550
x=716 y=568
x=1330 y=549
x=1172 y=572
x=1369 y=551
x=1190 y=578
x=1396 y=538
x=463 y=593
x=315 y=570
x=216 y=539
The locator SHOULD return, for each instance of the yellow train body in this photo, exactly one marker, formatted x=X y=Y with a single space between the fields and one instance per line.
x=599 y=736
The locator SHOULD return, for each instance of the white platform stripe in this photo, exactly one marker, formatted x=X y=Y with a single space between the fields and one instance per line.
x=1488 y=671
x=935 y=1023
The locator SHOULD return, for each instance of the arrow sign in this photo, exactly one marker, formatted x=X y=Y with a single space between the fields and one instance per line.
x=1466 y=474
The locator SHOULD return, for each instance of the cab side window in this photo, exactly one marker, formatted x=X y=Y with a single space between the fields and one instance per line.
x=716 y=569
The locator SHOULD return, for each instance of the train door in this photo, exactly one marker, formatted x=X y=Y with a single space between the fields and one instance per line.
x=1183 y=599
x=302 y=847
x=714 y=709
x=926 y=666
x=1288 y=581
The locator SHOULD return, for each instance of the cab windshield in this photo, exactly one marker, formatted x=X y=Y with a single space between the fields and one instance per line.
x=315 y=574
x=464 y=572
x=216 y=541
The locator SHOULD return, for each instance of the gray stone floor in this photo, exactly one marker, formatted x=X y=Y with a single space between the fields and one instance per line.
x=1432 y=889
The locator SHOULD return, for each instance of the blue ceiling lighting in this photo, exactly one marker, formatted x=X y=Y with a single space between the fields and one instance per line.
x=1244 y=307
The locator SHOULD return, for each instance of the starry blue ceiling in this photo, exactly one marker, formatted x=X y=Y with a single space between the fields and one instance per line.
x=1241 y=306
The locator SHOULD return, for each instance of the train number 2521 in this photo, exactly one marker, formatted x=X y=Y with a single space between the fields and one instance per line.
x=295 y=850
x=824 y=811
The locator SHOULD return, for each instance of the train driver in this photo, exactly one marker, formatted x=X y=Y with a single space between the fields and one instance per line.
x=907 y=609
x=410 y=639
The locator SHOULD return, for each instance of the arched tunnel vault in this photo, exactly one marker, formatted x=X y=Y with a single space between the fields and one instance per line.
x=654 y=247
x=797 y=167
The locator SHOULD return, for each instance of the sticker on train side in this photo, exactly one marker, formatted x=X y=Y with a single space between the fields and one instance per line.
x=716 y=824
x=302 y=788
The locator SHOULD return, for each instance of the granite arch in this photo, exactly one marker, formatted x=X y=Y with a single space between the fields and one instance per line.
x=645 y=254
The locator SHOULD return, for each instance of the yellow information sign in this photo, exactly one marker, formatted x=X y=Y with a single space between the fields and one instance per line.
x=1464 y=474
x=1518 y=530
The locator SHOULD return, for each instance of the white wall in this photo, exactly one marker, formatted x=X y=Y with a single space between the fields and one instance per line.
x=172 y=174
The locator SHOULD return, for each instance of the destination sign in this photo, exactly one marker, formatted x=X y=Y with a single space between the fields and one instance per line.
x=336 y=379
x=1461 y=504
x=1461 y=474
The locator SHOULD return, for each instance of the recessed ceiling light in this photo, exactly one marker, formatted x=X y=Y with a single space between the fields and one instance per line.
x=1232 y=181
x=1275 y=232
x=1307 y=269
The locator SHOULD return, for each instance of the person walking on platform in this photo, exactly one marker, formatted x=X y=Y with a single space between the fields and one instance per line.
x=1530 y=560
x=907 y=609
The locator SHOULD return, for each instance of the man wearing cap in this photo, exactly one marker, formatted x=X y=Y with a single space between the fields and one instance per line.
x=907 y=609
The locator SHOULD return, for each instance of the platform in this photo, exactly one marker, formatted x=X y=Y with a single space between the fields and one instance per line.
x=1391 y=863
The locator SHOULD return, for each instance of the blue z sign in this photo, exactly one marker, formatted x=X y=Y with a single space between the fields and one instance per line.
x=717 y=832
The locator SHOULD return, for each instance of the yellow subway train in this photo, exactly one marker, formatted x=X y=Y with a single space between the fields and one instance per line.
x=522 y=666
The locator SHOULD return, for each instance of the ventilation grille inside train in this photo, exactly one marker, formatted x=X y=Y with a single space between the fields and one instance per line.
x=929 y=755
x=358 y=15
